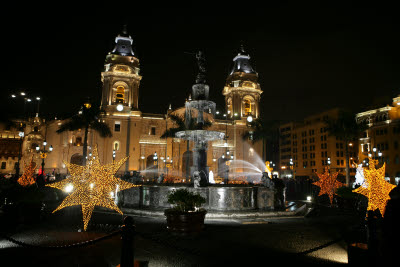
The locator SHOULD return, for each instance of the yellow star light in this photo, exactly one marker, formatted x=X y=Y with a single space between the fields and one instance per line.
x=27 y=177
x=328 y=184
x=375 y=188
x=92 y=185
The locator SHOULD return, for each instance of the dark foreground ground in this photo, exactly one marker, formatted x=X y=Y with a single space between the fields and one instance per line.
x=284 y=241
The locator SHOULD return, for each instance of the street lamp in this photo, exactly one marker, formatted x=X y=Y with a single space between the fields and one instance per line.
x=43 y=154
x=113 y=155
x=21 y=136
x=155 y=159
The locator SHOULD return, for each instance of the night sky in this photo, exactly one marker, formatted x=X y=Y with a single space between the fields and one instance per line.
x=309 y=57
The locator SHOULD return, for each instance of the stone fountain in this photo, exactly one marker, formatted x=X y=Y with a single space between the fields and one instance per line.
x=199 y=104
x=219 y=198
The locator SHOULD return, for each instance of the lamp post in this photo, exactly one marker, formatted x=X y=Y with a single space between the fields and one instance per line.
x=168 y=163
x=113 y=155
x=155 y=159
x=329 y=164
x=291 y=167
x=43 y=154
x=21 y=136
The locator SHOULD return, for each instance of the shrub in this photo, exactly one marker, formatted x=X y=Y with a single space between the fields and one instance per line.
x=185 y=201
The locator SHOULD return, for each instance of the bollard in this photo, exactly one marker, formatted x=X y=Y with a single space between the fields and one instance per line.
x=127 y=236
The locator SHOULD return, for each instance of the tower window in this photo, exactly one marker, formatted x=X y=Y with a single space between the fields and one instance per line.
x=78 y=141
x=248 y=106
x=117 y=126
x=3 y=165
x=120 y=95
x=153 y=131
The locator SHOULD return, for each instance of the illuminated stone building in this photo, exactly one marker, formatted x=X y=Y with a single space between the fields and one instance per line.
x=137 y=135
x=306 y=147
x=382 y=139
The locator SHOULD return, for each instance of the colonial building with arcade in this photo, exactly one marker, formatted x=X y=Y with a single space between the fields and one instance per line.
x=137 y=134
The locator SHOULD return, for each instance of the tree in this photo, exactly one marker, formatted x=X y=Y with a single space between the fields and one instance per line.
x=346 y=128
x=179 y=121
x=262 y=131
x=87 y=118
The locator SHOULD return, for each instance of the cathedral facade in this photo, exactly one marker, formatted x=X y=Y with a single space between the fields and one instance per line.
x=138 y=135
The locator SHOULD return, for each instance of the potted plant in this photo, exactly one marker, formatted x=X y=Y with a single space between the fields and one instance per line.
x=185 y=216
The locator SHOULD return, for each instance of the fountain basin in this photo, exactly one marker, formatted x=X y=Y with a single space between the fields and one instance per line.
x=218 y=198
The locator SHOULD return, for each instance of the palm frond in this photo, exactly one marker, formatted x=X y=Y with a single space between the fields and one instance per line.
x=102 y=128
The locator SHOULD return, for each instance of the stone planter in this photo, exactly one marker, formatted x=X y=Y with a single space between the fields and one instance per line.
x=185 y=222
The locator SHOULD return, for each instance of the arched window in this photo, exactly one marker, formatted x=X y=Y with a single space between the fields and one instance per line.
x=116 y=145
x=248 y=106
x=120 y=95
x=78 y=141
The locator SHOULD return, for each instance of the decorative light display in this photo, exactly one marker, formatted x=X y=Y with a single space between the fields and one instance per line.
x=375 y=188
x=92 y=185
x=328 y=184
x=27 y=177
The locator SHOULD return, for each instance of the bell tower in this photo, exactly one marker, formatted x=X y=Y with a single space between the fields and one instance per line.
x=242 y=91
x=121 y=77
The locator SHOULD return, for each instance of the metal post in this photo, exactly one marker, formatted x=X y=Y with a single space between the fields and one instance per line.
x=127 y=236
x=19 y=158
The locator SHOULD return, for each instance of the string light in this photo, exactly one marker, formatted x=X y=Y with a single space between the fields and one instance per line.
x=27 y=177
x=92 y=185
x=328 y=184
x=375 y=188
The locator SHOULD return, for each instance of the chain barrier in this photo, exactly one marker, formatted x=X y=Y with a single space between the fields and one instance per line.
x=75 y=245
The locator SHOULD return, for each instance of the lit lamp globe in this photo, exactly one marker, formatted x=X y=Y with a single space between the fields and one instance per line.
x=120 y=107
x=250 y=118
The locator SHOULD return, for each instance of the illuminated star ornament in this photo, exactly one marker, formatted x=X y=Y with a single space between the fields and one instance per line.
x=375 y=188
x=92 y=185
x=27 y=177
x=328 y=184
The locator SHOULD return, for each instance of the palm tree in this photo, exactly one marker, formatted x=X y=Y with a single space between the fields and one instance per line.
x=179 y=121
x=347 y=129
x=87 y=118
x=262 y=131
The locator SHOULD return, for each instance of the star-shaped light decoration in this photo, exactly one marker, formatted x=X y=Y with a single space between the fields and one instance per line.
x=328 y=184
x=375 y=188
x=27 y=177
x=92 y=185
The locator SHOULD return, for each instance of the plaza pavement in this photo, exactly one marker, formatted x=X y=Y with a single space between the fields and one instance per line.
x=257 y=241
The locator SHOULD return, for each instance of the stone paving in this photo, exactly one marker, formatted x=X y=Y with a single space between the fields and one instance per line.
x=224 y=242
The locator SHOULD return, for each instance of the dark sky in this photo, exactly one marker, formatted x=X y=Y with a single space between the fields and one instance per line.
x=310 y=57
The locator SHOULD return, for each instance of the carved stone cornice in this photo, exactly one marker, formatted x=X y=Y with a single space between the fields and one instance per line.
x=121 y=75
x=245 y=90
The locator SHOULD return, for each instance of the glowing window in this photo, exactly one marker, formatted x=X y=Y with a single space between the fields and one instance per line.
x=120 y=94
x=247 y=107
x=78 y=141
x=116 y=145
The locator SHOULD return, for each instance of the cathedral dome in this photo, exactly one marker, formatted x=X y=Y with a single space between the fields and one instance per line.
x=123 y=44
x=241 y=62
